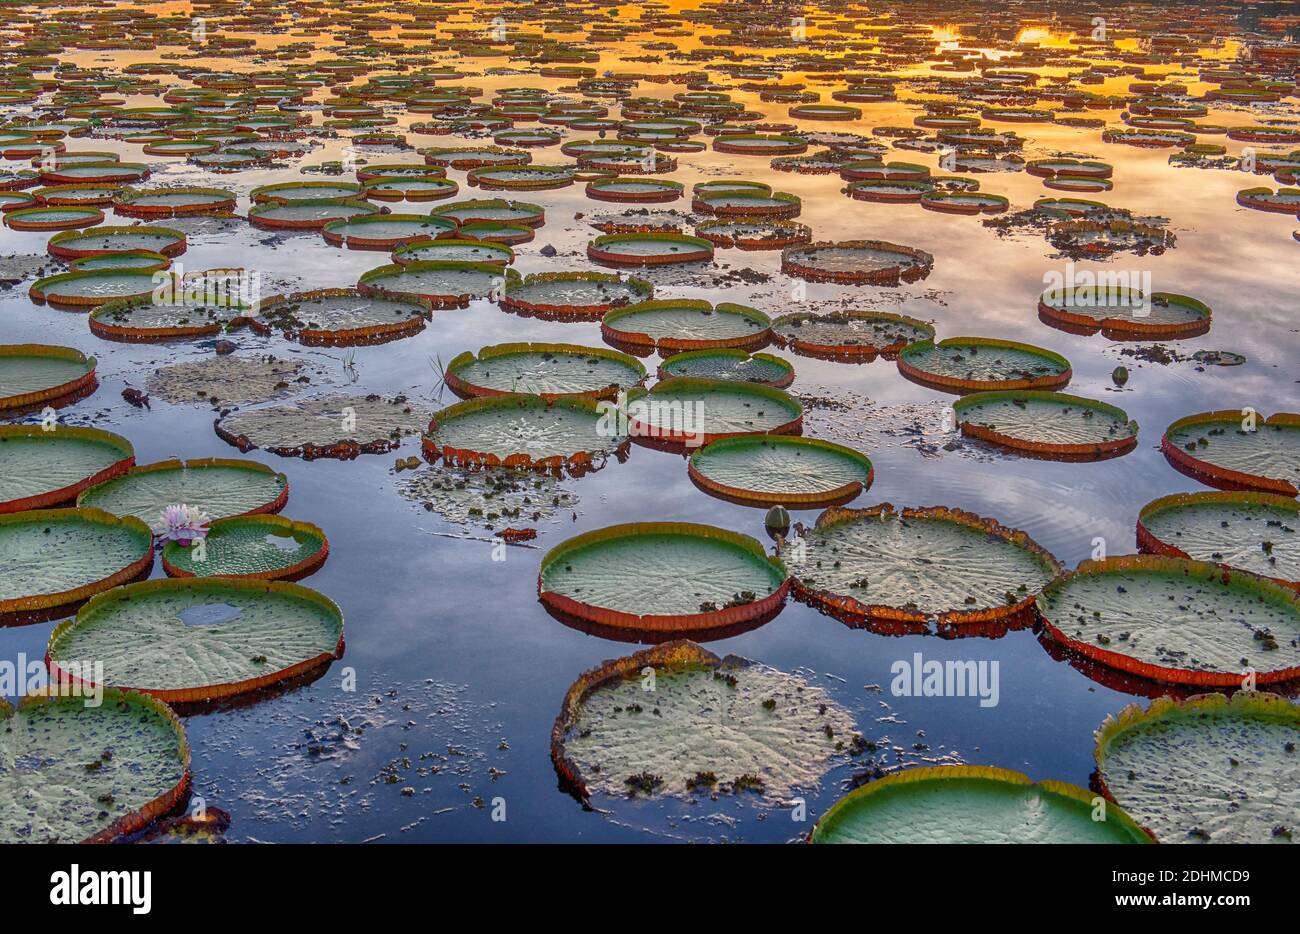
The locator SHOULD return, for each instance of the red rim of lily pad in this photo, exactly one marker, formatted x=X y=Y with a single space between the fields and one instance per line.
x=655 y=625
x=1263 y=586
x=68 y=494
x=1226 y=478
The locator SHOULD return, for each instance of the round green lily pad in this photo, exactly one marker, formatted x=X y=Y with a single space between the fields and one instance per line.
x=875 y=564
x=787 y=470
x=31 y=374
x=711 y=726
x=265 y=547
x=221 y=487
x=93 y=287
x=1252 y=531
x=1176 y=621
x=198 y=639
x=342 y=316
x=1206 y=770
x=444 y=284
x=1047 y=424
x=686 y=324
x=40 y=468
x=546 y=370
x=525 y=431
x=1124 y=313
x=972 y=804
x=52 y=559
x=979 y=364
x=838 y=334
x=75 y=772
x=1238 y=450
x=690 y=411
x=649 y=579
x=729 y=363
x=576 y=294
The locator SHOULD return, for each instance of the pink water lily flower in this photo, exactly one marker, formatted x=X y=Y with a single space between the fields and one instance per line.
x=182 y=524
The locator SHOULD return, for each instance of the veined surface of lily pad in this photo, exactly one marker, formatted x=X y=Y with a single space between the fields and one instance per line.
x=51 y=559
x=1252 y=531
x=34 y=373
x=1220 y=448
x=40 y=468
x=765 y=470
x=524 y=431
x=1207 y=769
x=79 y=773
x=849 y=333
x=686 y=324
x=340 y=426
x=978 y=364
x=971 y=804
x=651 y=578
x=199 y=639
x=342 y=316
x=221 y=487
x=878 y=564
x=266 y=547
x=711 y=724
x=226 y=379
x=729 y=363
x=546 y=370
x=1047 y=424
x=1176 y=621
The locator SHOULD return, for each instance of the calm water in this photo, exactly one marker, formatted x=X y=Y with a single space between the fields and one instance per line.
x=452 y=649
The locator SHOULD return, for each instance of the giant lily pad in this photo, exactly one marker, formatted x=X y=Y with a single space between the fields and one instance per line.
x=1235 y=450
x=649 y=580
x=574 y=294
x=73 y=244
x=848 y=334
x=869 y=565
x=220 y=487
x=227 y=379
x=980 y=364
x=649 y=249
x=766 y=470
x=708 y=725
x=201 y=639
x=1252 y=531
x=444 y=285
x=52 y=559
x=89 y=288
x=31 y=374
x=857 y=262
x=1208 y=769
x=265 y=547
x=1124 y=313
x=546 y=370
x=729 y=363
x=525 y=431
x=341 y=426
x=75 y=772
x=686 y=324
x=971 y=804
x=342 y=316
x=385 y=231
x=144 y=319
x=1051 y=425
x=40 y=468
x=1176 y=621
x=690 y=411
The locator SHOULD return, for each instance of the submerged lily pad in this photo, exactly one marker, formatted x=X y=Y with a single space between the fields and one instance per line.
x=80 y=773
x=34 y=373
x=40 y=468
x=1252 y=531
x=525 y=431
x=52 y=559
x=787 y=470
x=491 y=497
x=1236 y=450
x=1176 y=621
x=1047 y=424
x=971 y=804
x=705 y=725
x=200 y=639
x=265 y=547
x=340 y=426
x=647 y=579
x=980 y=364
x=546 y=370
x=227 y=379
x=1206 y=770
x=220 y=487
x=876 y=564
